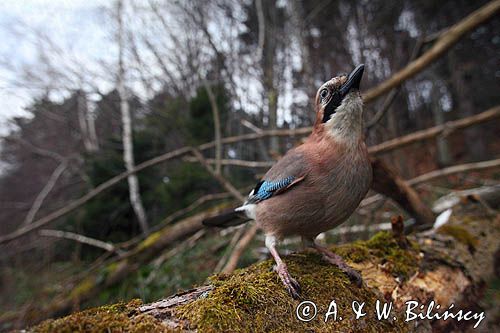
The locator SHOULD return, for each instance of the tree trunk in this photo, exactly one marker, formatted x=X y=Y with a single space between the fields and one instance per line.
x=87 y=124
x=443 y=149
x=217 y=126
x=268 y=63
x=128 y=149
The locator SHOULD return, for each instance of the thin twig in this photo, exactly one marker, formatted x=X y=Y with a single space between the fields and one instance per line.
x=91 y=194
x=186 y=245
x=223 y=181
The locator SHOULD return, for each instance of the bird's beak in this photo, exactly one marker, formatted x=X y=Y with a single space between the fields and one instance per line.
x=353 y=80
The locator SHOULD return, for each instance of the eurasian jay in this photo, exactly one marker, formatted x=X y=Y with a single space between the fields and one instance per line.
x=316 y=186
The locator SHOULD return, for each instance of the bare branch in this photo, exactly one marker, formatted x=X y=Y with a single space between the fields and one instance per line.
x=394 y=92
x=240 y=248
x=222 y=261
x=91 y=194
x=485 y=165
x=242 y=163
x=250 y=126
x=432 y=132
x=40 y=198
x=78 y=238
x=262 y=28
x=38 y=150
x=492 y=164
x=197 y=203
x=446 y=40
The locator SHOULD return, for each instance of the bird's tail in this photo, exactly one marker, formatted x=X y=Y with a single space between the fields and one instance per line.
x=226 y=219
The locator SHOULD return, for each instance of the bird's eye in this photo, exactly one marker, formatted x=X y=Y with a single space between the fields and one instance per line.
x=323 y=94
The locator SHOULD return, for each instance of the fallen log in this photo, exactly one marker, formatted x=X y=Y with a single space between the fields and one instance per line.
x=450 y=266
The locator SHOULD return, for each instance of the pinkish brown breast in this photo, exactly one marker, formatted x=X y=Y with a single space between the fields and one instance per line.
x=335 y=184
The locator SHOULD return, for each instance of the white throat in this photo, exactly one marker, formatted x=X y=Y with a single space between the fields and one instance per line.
x=346 y=124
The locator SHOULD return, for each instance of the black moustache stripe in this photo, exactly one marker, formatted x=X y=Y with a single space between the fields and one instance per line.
x=332 y=106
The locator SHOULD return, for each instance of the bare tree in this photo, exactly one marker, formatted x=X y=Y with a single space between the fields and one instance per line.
x=128 y=149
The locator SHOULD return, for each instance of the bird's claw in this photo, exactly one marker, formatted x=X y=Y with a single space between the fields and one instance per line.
x=292 y=286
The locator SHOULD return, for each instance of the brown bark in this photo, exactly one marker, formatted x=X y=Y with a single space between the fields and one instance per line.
x=387 y=182
x=478 y=166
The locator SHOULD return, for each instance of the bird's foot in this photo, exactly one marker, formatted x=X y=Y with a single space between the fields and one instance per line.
x=337 y=260
x=292 y=286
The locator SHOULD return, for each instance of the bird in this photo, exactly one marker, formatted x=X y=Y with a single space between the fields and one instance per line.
x=315 y=186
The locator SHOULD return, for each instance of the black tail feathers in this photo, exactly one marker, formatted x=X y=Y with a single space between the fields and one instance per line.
x=226 y=219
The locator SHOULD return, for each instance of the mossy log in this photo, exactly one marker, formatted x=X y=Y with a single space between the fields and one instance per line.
x=451 y=265
x=386 y=181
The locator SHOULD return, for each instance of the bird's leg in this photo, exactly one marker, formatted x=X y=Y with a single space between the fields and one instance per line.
x=334 y=259
x=290 y=283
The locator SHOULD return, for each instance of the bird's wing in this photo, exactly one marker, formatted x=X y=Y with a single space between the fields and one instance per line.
x=290 y=170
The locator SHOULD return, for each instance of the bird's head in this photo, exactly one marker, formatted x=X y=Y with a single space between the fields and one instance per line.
x=339 y=107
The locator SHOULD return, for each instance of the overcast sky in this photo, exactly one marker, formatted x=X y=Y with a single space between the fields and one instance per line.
x=74 y=23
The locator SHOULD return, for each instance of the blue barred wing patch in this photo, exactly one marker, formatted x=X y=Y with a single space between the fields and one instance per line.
x=265 y=189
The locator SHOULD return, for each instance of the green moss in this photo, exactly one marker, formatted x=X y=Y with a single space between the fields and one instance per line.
x=460 y=234
x=111 y=318
x=254 y=299
x=383 y=248
x=398 y=261
x=150 y=240
x=356 y=252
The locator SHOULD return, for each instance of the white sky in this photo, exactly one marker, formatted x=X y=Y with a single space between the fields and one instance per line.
x=73 y=23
